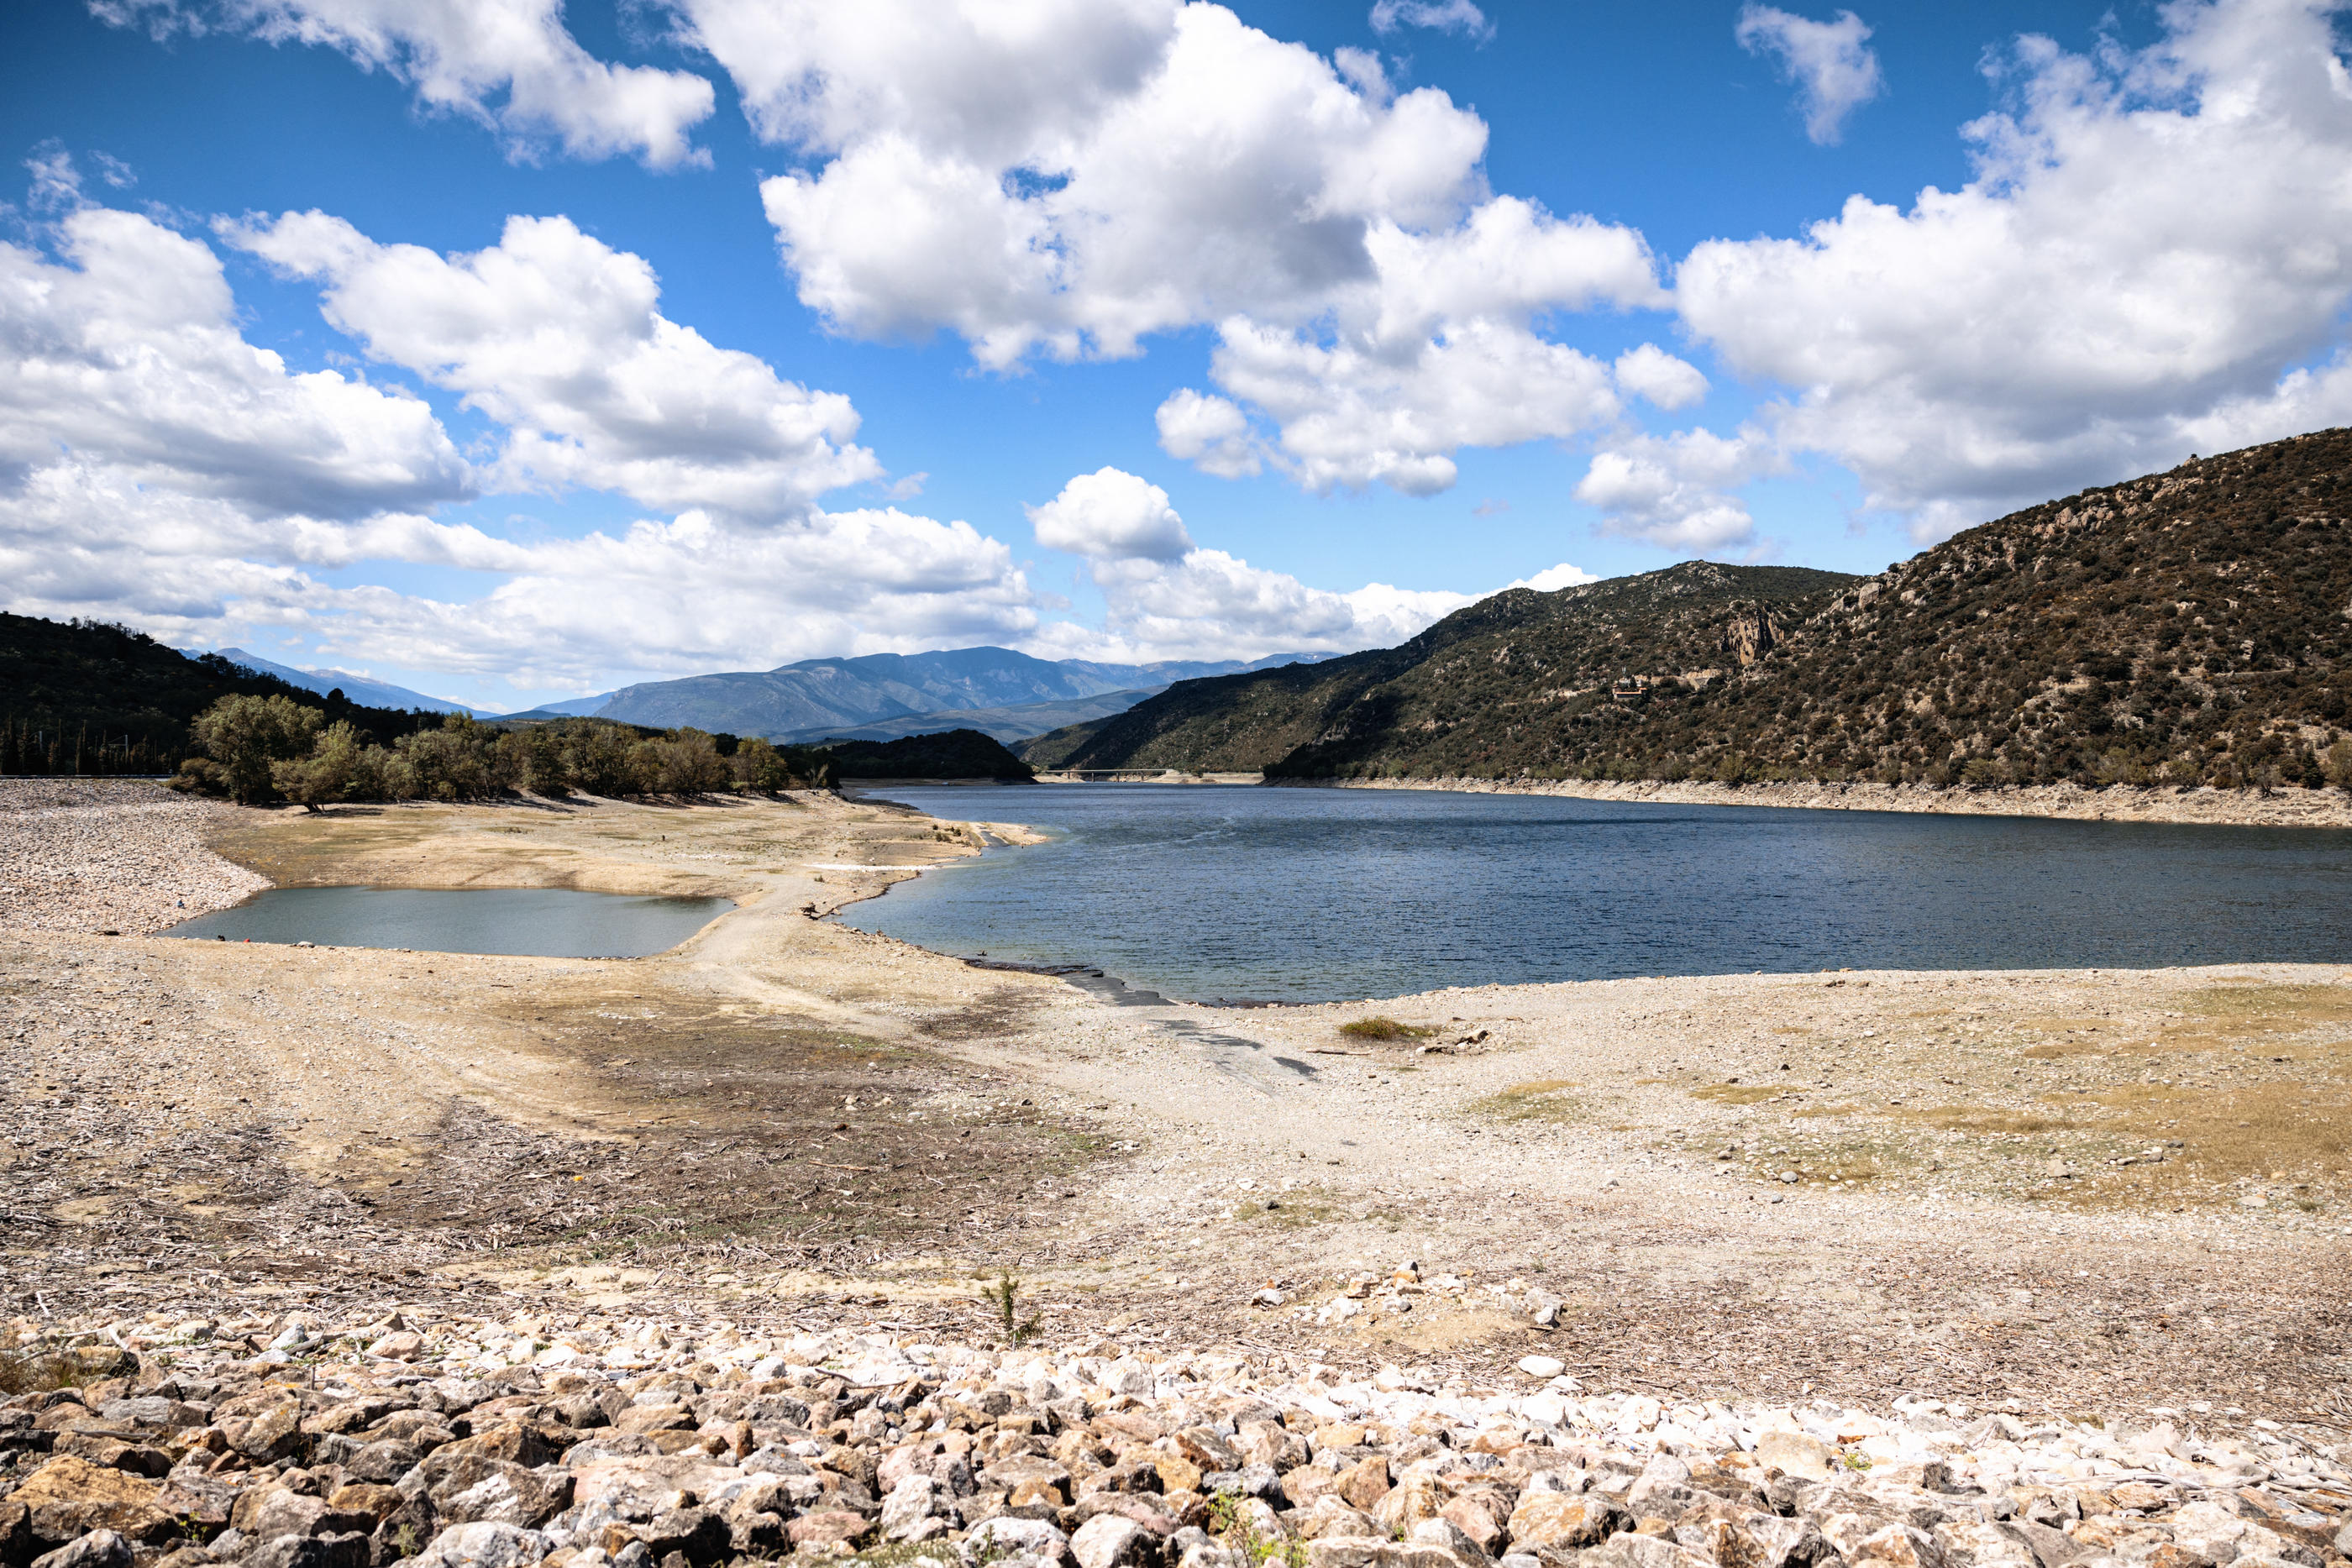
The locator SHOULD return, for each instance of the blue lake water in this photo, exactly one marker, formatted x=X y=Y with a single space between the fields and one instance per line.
x=1202 y=891
x=543 y=922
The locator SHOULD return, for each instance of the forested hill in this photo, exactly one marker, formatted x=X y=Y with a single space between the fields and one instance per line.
x=2186 y=627
x=82 y=696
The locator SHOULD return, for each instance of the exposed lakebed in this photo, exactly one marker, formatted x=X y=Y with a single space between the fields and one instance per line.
x=1293 y=894
x=541 y=922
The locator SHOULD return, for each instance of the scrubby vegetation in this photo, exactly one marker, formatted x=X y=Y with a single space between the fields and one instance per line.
x=259 y=750
x=2185 y=628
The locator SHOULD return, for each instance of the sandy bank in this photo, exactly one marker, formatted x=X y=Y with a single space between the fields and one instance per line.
x=2214 y=808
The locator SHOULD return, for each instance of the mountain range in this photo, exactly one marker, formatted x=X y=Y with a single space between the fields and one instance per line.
x=361 y=689
x=881 y=696
x=2187 y=627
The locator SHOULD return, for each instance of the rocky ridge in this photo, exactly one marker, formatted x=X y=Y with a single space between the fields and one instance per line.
x=402 y=1436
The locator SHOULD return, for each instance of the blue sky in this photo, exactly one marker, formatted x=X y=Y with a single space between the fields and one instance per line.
x=1121 y=329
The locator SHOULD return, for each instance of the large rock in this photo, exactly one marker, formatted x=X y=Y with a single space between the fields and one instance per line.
x=1568 y=1521
x=912 y=1511
x=1796 y=1454
x=1363 y=1484
x=68 y=1498
x=1984 y=1545
x=996 y=1539
x=17 y=1543
x=268 y=1512
x=1757 y=1540
x=1329 y=1516
x=471 y=1489
x=1407 y=1503
x=1626 y=1550
x=1375 y=1552
x=2055 y=1549
x=1445 y=1536
x=383 y=1462
x=2211 y=1530
x=483 y=1544
x=270 y=1430
x=139 y=1458
x=1888 y=1546
x=99 y=1549
x=1480 y=1516
x=348 y=1549
x=1112 y=1541
x=830 y=1527
x=700 y=1534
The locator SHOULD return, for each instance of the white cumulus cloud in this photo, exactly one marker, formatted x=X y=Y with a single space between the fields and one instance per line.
x=1651 y=373
x=1834 y=72
x=561 y=340
x=123 y=353
x=2155 y=258
x=1676 y=491
x=1047 y=177
x=510 y=64
x=1209 y=431
x=1111 y=515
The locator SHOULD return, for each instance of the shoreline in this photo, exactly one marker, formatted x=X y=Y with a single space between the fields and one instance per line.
x=2201 y=807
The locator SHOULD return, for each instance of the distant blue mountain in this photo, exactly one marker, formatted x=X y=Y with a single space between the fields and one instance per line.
x=904 y=693
x=358 y=688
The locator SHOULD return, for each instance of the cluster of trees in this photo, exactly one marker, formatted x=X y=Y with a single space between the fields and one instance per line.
x=259 y=750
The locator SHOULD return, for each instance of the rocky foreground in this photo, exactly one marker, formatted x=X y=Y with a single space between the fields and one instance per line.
x=459 y=1442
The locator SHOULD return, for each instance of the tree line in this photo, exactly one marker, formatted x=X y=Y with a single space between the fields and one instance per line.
x=259 y=750
x=29 y=747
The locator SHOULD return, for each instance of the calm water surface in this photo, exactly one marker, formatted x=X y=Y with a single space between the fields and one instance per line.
x=1203 y=891
x=541 y=922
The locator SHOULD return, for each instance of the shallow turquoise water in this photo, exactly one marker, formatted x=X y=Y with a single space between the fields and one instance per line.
x=545 y=922
x=1324 y=895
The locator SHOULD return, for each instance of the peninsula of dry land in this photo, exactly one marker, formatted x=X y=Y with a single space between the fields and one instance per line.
x=2122 y=1197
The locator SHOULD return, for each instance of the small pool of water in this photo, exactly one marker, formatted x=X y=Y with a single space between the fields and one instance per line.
x=536 y=921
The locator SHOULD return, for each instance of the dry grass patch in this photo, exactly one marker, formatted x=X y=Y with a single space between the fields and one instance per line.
x=2300 y=1130
x=1981 y=1119
x=1737 y=1093
x=1293 y=1211
x=1380 y=1026
x=1540 y=1100
x=2270 y=1009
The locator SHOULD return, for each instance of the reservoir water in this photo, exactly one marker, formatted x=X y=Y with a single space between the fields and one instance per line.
x=543 y=922
x=1292 y=894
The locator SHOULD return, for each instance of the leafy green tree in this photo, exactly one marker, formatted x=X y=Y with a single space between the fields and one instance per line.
x=682 y=762
x=342 y=766
x=247 y=735
x=600 y=759
x=452 y=763
x=532 y=758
